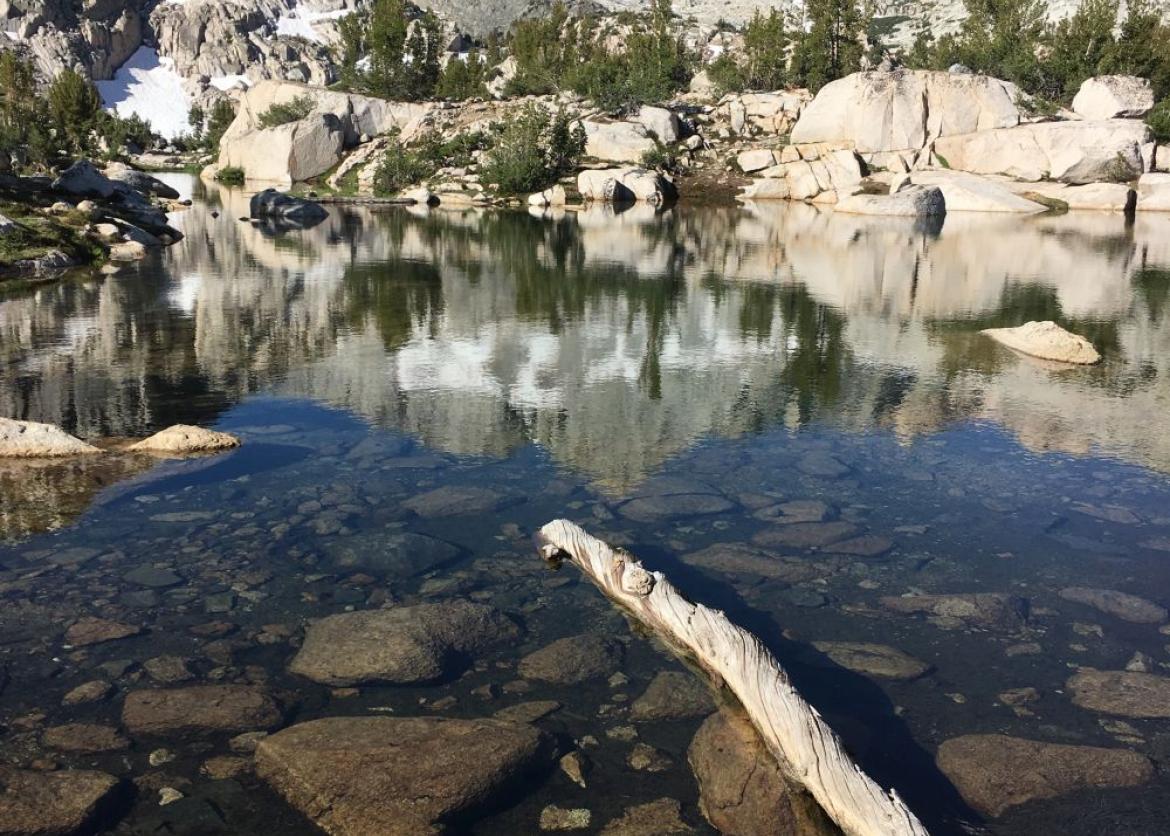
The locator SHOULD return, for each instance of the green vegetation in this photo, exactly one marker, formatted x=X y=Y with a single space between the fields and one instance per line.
x=284 y=112
x=532 y=150
x=833 y=45
x=231 y=175
x=404 y=165
x=36 y=234
x=558 y=53
x=403 y=51
x=208 y=130
x=1159 y=120
x=1011 y=39
x=461 y=80
x=67 y=118
x=764 y=61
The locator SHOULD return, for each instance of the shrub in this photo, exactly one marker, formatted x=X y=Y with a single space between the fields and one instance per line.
x=285 y=112
x=402 y=51
x=533 y=148
x=463 y=79
x=403 y=166
x=1159 y=120
x=222 y=115
x=726 y=74
x=230 y=175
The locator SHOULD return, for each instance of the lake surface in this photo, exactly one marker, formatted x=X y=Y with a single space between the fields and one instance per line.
x=669 y=381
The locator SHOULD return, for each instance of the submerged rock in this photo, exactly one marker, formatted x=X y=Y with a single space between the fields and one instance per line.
x=806 y=535
x=573 y=660
x=1046 y=340
x=397 y=555
x=87 y=631
x=183 y=438
x=978 y=609
x=1120 y=604
x=874 y=659
x=84 y=738
x=656 y=818
x=200 y=709
x=994 y=772
x=395 y=776
x=30 y=440
x=52 y=803
x=557 y=818
x=673 y=695
x=1124 y=693
x=745 y=559
x=459 y=500
x=742 y=790
x=400 y=645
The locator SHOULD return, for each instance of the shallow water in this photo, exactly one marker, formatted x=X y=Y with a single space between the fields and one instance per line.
x=664 y=379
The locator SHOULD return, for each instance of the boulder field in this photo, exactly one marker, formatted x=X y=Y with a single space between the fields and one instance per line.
x=972 y=137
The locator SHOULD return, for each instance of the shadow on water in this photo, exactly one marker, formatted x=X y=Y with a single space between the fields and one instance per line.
x=858 y=710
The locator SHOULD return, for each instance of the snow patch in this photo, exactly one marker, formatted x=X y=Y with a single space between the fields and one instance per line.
x=298 y=23
x=227 y=82
x=149 y=87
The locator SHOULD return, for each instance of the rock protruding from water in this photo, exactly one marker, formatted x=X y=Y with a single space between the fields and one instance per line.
x=401 y=645
x=31 y=440
x=741 y=787
x=1123 y=693
x=994 y=772
x=910 y=202
x=1119 y=604
x=1046 y=340
x=395 y=776
x=52 y=803
x=673 y=695
x=879 y=660
x=183 y=439
x=573 y=660
x=274 y=205
x=199 y=709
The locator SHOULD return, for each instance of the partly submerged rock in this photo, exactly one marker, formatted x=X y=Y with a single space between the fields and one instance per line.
x=910 y=201
x=407 y=776
x=573 y=660
x=964 y=192
x=673 y=695
x=1124 y=693
x=1120 y=604
x=52 y=803
x=199 y=709
x=83 y=738
x=275 y=205
x=1046 y=340
x=30 y=440
x=399 y=645
x=994 y=772
x=874 y=659
x=742 y=790
x=182 y=439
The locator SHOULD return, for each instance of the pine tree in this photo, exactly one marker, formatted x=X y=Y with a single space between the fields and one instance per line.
x=833 y=45
x=76 y=109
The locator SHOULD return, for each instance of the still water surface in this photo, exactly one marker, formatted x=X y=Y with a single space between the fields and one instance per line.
x=665 y=379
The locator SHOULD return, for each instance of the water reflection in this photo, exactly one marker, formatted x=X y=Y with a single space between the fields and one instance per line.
x=613 y=340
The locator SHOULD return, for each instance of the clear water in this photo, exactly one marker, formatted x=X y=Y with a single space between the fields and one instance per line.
x=573 y=364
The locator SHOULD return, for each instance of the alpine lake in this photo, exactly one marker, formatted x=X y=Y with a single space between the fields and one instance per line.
x=790 y=413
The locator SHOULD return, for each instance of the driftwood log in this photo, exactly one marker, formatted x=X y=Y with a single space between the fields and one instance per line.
x=802 y=743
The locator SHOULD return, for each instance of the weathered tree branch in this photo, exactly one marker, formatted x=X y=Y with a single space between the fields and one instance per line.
x=804 y=745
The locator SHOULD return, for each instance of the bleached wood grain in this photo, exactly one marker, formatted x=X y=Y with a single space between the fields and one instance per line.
x=802 y=743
